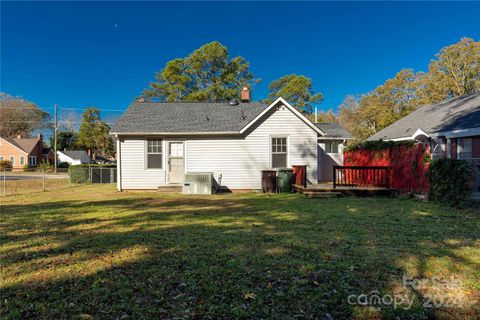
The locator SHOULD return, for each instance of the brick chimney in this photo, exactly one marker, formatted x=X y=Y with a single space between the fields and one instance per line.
x=245 y=94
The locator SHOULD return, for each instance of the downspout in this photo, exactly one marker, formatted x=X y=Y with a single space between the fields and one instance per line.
x=119 y=166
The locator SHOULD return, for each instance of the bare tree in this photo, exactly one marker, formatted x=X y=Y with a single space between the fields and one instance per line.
x=19 y=116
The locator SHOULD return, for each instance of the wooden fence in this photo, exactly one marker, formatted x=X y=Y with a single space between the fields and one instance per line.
x=362 y=176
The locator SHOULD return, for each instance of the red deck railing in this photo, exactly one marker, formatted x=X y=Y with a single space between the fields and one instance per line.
x=362 y=176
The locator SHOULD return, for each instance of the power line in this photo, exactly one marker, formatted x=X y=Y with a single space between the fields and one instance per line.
x=119 y=110
x=60 y=108
x=60 y=121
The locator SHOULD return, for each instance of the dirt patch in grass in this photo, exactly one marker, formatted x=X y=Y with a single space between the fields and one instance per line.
x=91 y=251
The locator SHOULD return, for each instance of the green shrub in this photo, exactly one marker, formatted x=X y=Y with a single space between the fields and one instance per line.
x=63 y=165
x=27 y=168
x=449 y=180
x=5 y=164
x=79 y=174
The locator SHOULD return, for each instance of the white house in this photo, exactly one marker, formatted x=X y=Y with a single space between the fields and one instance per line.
x=330 y=149
x=73 y=157
x=157 y=143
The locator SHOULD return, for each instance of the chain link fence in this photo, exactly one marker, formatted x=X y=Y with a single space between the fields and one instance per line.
x=18 y=183
x=472 y=201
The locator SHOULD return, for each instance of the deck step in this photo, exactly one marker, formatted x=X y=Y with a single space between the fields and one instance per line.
x=313 y=194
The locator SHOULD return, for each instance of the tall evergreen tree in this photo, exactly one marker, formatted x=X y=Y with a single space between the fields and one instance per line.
x=93 y=133
x=207 y=74
x=296 y=89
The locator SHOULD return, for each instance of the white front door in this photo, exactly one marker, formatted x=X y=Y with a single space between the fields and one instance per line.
x=175 y=162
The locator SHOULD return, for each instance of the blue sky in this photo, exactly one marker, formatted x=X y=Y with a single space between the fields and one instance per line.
x=104 y=53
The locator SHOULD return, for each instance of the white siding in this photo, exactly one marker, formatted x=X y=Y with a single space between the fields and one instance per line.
x=326 y=161
x=239 y=160
x=134 y=174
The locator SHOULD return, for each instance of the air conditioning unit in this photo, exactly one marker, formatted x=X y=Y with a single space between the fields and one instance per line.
x=198 y=183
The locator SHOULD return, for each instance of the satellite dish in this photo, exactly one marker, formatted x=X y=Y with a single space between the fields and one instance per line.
x=233 y=102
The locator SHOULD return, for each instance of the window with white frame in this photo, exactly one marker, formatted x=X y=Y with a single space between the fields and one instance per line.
x=2 y=158
x=12 y=160
x=32 y=161
x=332 y=146
x=22 y=161
x=279 y=152
x=154 y=154
x=464 y=148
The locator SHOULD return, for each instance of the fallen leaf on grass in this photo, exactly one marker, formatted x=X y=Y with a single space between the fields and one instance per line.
x=250 y=296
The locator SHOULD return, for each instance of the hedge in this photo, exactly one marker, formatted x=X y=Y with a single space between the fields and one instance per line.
x=378 y=145
x=5 y=165
x=79 y=173
x=449 y=181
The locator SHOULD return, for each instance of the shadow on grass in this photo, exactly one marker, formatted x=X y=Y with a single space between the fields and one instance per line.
x=237 y=256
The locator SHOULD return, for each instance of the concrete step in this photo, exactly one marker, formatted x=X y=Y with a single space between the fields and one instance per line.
x=170 y=189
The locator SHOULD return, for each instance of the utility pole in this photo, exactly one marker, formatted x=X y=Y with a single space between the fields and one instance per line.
x=55 y=138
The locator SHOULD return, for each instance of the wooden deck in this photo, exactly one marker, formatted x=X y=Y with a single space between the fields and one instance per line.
x=316 y=190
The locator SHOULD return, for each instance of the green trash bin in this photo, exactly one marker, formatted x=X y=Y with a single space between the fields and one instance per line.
x=284 y=180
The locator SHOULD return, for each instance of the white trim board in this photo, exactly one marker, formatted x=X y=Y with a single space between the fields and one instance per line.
x=458 y=133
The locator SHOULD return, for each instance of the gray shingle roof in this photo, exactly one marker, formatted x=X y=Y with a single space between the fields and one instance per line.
x=195 y=117
x=74 y=154
x=453 y=114
x=25 y=144
x=334 y=130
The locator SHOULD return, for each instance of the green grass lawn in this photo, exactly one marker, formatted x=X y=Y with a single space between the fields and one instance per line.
x=90 y=252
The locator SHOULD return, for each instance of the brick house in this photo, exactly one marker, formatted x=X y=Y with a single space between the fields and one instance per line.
x=24 y=151
x=452 y=127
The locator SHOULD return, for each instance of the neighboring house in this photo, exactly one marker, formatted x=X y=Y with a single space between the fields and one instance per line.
x=73 y=157
x=23 y=151
x=157 y=143
x=48 y=155
x=100 y=159
x=452 y=127
x=330 y=148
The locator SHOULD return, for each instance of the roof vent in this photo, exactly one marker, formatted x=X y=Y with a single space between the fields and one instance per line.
x=233 y=102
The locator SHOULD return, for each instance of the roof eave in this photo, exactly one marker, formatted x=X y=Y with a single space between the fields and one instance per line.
x=175 y=133
x=475 y=131
x=335 y=138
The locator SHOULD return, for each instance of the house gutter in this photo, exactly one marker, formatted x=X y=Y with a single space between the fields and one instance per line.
x=176 y=133
x=333 y=138
x=458 y=133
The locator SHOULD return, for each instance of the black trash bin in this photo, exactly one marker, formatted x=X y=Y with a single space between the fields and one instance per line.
x=285 y=180
x=269 y=181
